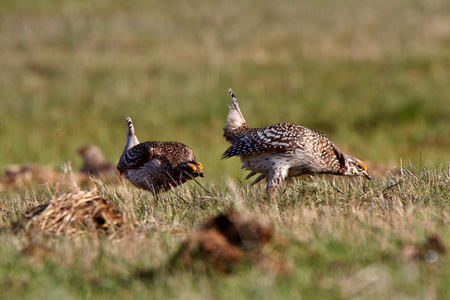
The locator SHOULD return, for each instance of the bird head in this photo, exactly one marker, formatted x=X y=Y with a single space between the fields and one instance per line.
x=192 y=169
x=355 y=167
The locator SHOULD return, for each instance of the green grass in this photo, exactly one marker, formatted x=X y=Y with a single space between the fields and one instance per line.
x=342 y=239
x=372 y=75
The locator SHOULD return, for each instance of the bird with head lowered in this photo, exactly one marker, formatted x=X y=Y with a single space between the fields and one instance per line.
x=284 y=150
x=157 y=166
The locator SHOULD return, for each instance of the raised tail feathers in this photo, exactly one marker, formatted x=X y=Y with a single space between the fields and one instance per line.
x=235 y=119
x=132 y=139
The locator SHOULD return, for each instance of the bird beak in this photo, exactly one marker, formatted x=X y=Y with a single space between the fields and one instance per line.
x=366 y=174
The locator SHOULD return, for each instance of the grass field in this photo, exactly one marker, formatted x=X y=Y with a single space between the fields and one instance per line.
x=340 y=239
x=372 y=75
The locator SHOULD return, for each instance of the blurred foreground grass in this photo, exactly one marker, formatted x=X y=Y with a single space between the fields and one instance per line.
x=372 y=75
x=341 y=239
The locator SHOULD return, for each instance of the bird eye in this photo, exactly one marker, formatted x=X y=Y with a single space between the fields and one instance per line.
x=360 y=166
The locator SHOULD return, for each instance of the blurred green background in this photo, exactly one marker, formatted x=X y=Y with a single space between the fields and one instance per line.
x=372 y=75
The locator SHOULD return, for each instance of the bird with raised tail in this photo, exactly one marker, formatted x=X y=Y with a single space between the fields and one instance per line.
x=284 y=150
x=157 y=166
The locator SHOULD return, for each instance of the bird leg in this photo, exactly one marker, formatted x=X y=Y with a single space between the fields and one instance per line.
x=275 y=179
x=286 y=186
x=272 y=193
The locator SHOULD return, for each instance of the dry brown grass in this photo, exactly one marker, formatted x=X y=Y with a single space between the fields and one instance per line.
x=75 y=213
x=341 y=237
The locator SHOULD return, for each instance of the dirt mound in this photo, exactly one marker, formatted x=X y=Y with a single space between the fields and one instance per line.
x=228 y=240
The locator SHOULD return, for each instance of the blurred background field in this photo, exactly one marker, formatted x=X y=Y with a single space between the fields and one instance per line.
x=372 y=75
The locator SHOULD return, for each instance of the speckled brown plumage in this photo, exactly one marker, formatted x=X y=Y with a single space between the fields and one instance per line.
x=94 y=163
x=157 y=166
x=284 y=150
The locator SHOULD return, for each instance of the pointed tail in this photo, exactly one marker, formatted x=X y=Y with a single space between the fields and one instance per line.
x=132 y=139
x=236 y=125
x=235 y=118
